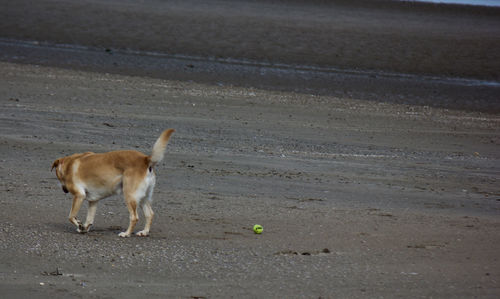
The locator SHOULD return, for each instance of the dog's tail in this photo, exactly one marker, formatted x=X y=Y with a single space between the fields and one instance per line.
x=159 y=147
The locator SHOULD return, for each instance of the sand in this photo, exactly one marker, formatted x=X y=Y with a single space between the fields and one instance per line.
x=382 y=189
x=377 y=35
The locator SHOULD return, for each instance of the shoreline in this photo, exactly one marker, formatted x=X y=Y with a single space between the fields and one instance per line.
x=481 y=3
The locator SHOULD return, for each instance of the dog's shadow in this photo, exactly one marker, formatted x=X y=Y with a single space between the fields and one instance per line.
x=111 y=231
x=94 y=231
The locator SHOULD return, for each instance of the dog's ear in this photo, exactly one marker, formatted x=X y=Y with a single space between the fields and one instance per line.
x=56 y=164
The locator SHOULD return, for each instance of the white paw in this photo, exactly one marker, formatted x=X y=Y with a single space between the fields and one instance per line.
x=80 y=228
x=83 y=229
x=124 y=235
x=142 y=233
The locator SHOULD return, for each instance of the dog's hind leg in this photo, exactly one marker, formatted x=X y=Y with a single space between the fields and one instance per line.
x=90 y=215
x=75 y=207
x=148 y=214
x=132 y=209
x=147 y=209
x=129 y=192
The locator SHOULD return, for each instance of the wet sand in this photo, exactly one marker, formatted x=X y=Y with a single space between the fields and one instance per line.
x=391 y=191
x=415 y=38
x=410 y=53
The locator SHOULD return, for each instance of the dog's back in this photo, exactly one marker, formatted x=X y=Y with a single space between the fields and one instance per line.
x=107 y=169
x=115 y=162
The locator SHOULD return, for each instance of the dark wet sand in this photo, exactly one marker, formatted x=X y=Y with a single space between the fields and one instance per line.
x=374 y=35
x=385 y=51
x=367 y=185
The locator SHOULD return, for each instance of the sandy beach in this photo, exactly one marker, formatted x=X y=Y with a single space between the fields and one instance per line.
x=371 y=161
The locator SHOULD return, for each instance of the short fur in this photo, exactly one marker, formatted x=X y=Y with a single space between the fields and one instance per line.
x=92 y=177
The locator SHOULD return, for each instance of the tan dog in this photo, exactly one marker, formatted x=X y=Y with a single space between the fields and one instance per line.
x=93 y=177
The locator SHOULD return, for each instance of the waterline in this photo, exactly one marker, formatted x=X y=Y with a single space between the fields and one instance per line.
x=464 y=2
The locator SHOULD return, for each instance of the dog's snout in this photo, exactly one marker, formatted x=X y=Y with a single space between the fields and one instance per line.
x=65 y=189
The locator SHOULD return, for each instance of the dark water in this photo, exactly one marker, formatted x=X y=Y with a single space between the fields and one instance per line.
x=466 y=2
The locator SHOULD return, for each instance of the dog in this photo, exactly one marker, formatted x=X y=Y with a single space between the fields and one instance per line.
x=92 y=177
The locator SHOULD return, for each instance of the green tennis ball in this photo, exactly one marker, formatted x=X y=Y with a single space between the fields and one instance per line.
x=258 y=229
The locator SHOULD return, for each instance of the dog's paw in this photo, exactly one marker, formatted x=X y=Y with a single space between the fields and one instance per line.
x=124 y=235
x=81 y=229
x=142 y=233
x=87 y=227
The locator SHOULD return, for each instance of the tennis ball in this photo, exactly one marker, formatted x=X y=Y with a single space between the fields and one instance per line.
x=258 y=229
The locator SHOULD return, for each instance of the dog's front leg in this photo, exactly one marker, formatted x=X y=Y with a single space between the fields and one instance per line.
x=75 y=207
x=90 y=216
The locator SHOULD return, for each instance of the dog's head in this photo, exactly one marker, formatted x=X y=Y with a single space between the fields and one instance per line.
x=63 y=167
x=59 y=166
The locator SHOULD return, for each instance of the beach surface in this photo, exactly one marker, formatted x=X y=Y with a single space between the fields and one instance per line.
x=371 y=175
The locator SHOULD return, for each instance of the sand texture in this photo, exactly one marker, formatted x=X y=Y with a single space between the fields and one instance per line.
x=362 y=135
